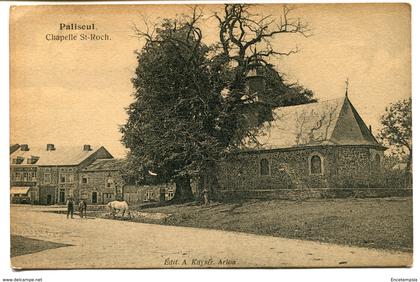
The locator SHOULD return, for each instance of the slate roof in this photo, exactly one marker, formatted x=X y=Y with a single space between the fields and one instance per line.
x=105 y=165
x=332 y=122
x=59 y=157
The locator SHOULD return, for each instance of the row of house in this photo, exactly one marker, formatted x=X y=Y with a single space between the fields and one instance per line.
x=51 y=174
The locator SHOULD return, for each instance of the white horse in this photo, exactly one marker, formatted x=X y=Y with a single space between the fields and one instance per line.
x=117 y=206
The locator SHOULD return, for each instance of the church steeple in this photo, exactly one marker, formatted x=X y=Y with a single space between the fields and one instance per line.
x=347 y=87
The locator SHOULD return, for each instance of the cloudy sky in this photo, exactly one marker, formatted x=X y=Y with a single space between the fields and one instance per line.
x=75 y=92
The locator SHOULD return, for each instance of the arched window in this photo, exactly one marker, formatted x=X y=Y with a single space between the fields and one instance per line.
x=109 y=182
x=264 y=167
x=315 y=165
x=377 y=161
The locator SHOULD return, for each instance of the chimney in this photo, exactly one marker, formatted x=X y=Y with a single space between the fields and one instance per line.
x=370 y=128
x=24 y=147
x=50 y=147
x=87 y=147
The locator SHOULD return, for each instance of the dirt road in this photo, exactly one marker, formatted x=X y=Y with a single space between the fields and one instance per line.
x=102 y=243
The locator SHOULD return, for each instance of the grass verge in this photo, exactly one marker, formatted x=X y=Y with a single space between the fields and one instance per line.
x=385 y=223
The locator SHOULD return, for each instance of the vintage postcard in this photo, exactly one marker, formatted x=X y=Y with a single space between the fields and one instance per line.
x=210 y=136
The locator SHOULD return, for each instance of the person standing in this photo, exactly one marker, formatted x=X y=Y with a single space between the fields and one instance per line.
x=70 y=207
x=82 y=208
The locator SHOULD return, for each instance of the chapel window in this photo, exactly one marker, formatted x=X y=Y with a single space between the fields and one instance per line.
x=110 y=182
x=377 y=160
x=264 y=167
x=376 y=163
x=315 y=165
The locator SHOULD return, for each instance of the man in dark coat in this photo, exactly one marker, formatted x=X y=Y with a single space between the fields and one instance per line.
x=70 y=207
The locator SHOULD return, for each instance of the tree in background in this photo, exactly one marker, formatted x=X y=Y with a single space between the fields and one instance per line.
x=195 y=103
x=396 y=132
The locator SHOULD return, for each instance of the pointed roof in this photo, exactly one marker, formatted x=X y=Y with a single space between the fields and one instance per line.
x=59 y=156
x=332 y=122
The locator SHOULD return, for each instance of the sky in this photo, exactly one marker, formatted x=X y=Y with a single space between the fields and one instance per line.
x=76 y=92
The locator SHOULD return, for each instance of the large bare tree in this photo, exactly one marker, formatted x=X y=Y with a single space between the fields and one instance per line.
x=195 y=103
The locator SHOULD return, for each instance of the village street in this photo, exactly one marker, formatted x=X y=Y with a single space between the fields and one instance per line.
x=102 y=243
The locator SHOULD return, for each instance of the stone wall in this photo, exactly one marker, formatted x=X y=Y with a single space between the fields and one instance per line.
x=107 y=185
x=69 y=187
x=47 y=195
x=148 y=193
x=314 y=193
x=343 y=166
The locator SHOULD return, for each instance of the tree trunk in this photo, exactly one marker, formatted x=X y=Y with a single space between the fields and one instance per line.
x=208 y=183
x=183 y=192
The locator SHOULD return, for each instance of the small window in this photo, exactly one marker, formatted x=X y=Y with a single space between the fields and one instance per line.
x=377 y=160
x=171 y=194
x=63 y=178
x=70 y=178
x=376 y=163
x=18 y=176
x=264 y=167
x=84 y=180
x=109 y=182
x=47 y=178
x=316 y=165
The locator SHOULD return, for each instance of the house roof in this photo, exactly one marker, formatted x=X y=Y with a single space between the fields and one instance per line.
x=105 y=165
x=59 y=157
x=332 y=122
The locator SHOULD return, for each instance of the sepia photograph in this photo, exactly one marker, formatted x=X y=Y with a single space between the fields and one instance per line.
x=161 y=136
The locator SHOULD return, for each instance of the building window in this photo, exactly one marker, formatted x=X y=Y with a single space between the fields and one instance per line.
x=18 y=176
x=109 y=182
x=70 y=178
x=84 y=179
x=33 y=174
x=316 y=164
x=171 y=194
x=25 y=176
x=62 y=178
x=47 y=178
x=264 y=167
x=149 y=195
x=377 y=161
